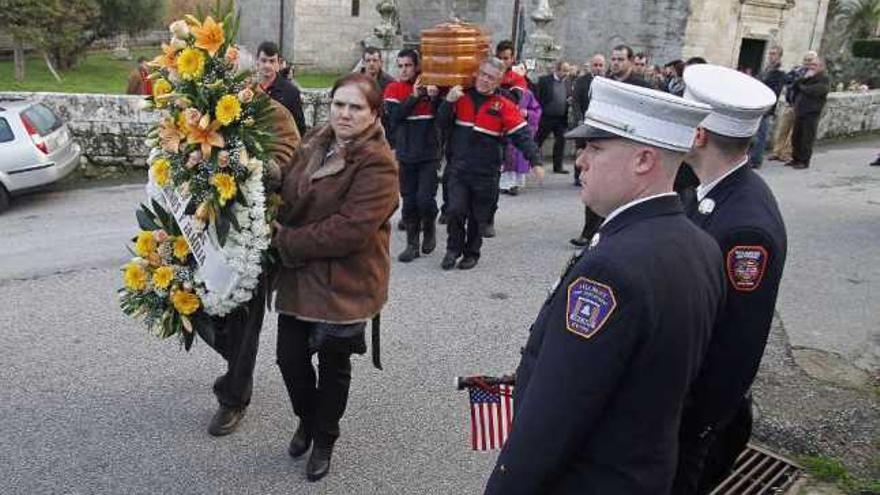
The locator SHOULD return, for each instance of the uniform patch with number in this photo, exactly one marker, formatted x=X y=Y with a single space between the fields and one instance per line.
x=589 y=306
x=745 y=267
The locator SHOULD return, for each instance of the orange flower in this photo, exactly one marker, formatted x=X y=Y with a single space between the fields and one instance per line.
x=209 y=35
x=206 y=135
x=170 y=136
x=167 y=59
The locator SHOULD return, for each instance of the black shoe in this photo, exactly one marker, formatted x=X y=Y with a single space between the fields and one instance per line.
x=467 y=263
x=560 y=171
x=579 y=241
x=513 y=191
x=448 y=262
x=875 y=163
x=412 y=242
x=577 y=183
x=300 y=442
x=429 y=235
x=790 y=163
x=443 y=220
x=504 y=191
x=319 y=463
x=225 y=421
x=488 y=231
x=799 y=165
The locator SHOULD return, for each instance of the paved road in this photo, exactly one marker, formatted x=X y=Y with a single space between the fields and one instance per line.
x=91 y=404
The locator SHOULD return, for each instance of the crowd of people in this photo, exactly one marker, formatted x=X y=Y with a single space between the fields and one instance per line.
x=635 y=378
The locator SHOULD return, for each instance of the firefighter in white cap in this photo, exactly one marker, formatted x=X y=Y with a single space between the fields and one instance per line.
x=600 y=386
x=735 y=206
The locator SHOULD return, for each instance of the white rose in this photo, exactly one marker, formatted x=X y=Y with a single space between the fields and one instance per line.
x=179 y=29
x=178 y=44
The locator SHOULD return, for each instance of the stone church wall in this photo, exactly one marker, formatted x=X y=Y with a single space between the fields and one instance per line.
x=716 y=27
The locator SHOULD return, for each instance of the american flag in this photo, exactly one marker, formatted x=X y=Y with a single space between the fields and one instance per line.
x=491 y=416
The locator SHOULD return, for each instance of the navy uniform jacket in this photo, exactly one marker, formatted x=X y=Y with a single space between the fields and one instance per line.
x=745 y=221
x=602 y=379
x=410 y=125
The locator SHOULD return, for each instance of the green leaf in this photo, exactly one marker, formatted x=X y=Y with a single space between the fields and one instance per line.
x=145 y=220
x=239 y=196
x=187 y=340
x=163 y=216
x=191 y=207
x=233 y=220
x=222 y=225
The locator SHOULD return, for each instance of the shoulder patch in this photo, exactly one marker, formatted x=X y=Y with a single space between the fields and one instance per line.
x=588 y=306
x=746 y=266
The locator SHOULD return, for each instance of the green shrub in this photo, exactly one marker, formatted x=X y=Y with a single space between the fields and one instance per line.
x=869 y=48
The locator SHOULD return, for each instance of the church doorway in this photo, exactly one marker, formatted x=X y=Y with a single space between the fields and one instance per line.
x=751 y=55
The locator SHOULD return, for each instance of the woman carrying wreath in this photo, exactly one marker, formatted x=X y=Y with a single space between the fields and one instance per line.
x=332 y=236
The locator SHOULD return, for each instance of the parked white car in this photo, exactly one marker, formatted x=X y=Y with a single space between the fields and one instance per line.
x=36 y=148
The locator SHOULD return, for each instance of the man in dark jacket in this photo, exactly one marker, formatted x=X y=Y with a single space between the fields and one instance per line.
x=811 y=91
x=600 y=385
x=594 y=67
x=774 y=78
x=479 y=122
x=410 y=109
x=735 y=206
x=554 y=94
x=280 y=89
x=372 y=66
x=622 y=66
x=621 y=70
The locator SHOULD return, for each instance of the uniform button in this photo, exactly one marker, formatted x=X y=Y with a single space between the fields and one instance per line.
x=502 y=468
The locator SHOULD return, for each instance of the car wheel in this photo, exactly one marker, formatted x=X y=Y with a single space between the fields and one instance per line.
x=4 y=199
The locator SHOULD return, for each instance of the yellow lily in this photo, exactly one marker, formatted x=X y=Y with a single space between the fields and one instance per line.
x=167 y=59
x=206 y=136
x=209 y=35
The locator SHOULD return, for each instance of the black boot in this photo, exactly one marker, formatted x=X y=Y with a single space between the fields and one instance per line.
x=449 y=260
x=301 y=441
x=429 y=239
x=225 y=420
x=319 y=462
x=412 y=242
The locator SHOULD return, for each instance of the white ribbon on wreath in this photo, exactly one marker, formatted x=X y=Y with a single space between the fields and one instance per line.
x=243 y=250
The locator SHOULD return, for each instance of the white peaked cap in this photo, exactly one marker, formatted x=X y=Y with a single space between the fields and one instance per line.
x=620 y=110
x=738 y=100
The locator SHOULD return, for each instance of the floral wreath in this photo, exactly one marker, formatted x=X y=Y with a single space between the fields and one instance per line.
x=206 y=170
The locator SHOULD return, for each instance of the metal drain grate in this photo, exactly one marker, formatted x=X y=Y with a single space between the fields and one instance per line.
x=759 y=472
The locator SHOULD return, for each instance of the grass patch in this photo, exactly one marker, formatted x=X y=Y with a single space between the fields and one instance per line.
x=833 y=471
x=98 y=72
x=317 y=80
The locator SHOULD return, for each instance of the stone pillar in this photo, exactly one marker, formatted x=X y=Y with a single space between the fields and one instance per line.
x=540 y=51
x=386 y=35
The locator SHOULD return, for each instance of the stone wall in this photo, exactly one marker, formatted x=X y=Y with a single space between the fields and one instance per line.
x=850 y=113
x=112 y=128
